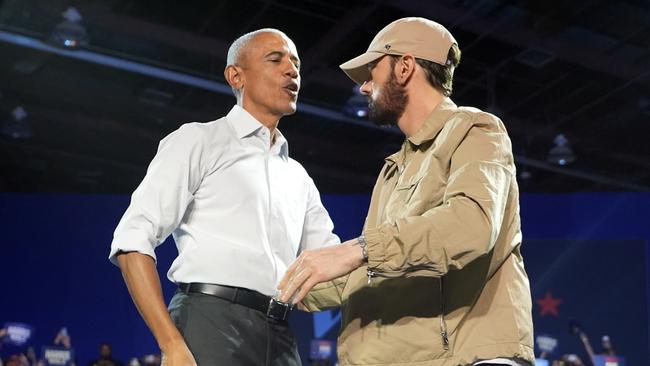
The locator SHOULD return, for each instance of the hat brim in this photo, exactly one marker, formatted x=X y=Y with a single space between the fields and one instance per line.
x=357 y=68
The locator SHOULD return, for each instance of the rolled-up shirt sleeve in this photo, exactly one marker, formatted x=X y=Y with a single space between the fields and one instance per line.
x=318 y=226
x=160 y=201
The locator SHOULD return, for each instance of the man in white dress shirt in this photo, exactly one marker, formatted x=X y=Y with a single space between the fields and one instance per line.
x=239 y=210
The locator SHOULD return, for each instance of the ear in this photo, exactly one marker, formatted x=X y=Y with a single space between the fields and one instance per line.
x=405 y=68
x=234 y=76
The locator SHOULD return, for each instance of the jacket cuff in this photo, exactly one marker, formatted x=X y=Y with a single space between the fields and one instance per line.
x=375 y=247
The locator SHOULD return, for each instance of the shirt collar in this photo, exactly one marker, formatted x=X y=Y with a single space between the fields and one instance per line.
x=242 y=121
x=245 y=125
x=431 y=126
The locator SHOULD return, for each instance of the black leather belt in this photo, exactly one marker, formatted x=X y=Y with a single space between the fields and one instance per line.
x=273 y=308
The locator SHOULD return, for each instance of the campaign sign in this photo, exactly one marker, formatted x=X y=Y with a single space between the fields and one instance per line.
x=18 y=334
x=541 y=362
x=58 y=356
x=545 y=343
x=609 y=361
x=321 y=349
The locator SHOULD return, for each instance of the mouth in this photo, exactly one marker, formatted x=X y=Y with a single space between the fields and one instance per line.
x=292 y=89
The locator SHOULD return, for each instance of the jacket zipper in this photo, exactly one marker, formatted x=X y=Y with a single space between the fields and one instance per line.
x=373 y=272
x=370 y=274
x=443 y=323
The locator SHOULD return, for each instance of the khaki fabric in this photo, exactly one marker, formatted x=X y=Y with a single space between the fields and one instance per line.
x=420 y=37
x=443 y=233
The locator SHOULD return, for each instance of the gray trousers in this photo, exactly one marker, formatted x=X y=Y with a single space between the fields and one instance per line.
x=219 y=332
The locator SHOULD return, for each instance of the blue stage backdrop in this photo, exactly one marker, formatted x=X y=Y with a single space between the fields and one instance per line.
x=586 y=255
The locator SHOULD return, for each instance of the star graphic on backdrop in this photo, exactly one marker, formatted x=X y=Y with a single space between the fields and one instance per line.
x=548 y=304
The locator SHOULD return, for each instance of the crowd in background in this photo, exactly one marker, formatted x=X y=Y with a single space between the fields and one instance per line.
x=28 y=357
x=62 y=339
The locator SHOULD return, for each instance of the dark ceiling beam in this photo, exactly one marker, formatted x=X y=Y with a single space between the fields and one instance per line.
x=211 y=17
x=615 y=64
x=622 y=158
x=120 y=24
x=65 y=99
x=253 y=20
x=644 y=76
x=310 y=109
x=101 y=16
x=541 y=90
x=318 y=55
x=589 y=176
x=642 y=30
x=165 y=74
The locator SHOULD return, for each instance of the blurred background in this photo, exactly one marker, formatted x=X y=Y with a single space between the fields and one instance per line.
x=88 y=88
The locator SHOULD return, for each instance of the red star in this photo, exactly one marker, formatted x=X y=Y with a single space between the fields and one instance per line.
x=548 y=304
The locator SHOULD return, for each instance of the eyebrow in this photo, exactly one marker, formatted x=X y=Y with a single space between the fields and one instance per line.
x=372 y=64
x=281 y=54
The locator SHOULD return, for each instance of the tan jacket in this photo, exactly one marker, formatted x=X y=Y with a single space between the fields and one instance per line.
x=445 y=282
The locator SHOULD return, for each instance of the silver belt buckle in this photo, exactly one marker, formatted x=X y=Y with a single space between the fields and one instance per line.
x=277 y=309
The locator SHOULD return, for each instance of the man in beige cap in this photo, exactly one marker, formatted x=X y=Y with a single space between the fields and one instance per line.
x=436 y=277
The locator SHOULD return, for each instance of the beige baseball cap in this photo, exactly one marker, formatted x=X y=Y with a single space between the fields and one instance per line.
x=422 y=38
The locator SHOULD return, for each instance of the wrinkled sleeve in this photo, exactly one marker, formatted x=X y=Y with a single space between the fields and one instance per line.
x=467 y=223
x=318 y=228
x=159 y=203
x=325 y=296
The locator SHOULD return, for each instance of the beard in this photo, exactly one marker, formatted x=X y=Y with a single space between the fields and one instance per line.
x=389 y=107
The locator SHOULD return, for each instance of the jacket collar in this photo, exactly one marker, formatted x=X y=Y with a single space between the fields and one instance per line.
x=434 y=123
x=429 y=130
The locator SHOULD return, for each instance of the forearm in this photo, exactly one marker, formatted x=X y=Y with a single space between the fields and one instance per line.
x=143 y=282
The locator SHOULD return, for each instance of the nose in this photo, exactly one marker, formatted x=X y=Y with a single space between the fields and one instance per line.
x=365 y=88
x=292 y=71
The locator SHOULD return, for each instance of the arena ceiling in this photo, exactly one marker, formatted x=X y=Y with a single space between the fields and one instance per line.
x=580 y=69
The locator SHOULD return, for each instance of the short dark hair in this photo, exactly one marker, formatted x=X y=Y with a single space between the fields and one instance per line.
x=439 y=76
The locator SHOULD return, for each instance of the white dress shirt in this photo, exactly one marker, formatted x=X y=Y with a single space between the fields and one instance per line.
x=239 y=209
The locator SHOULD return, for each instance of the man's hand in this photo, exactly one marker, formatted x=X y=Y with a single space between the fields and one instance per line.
x=177 y=355
x=319 y=265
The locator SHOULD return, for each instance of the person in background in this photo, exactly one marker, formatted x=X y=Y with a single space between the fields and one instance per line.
x=105 y=357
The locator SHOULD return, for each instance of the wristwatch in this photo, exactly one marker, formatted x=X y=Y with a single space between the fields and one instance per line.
x=361 y=240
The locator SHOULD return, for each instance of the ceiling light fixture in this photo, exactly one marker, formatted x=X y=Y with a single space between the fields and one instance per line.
x=70 y=33
x=16 y=126
x=561 y=153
